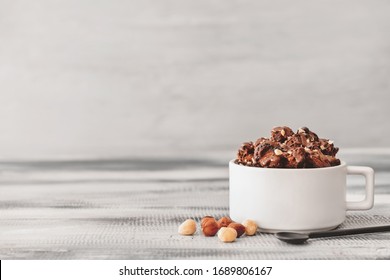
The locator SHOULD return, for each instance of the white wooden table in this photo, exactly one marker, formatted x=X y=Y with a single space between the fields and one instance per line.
x=130 y=209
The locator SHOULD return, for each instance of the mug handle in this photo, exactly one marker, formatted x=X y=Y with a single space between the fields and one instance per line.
x=368 y=202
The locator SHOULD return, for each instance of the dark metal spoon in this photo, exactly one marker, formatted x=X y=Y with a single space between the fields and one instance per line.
x=299 y=238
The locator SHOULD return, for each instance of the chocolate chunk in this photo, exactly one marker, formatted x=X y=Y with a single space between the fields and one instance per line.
x=245 y=153
x=333 y=161
x=263 y=141
x=296 y=158
x=308 y=138
x=294 y=141
x=316 y=159
x=281 y=133
x=327 y=147
x=271 y=160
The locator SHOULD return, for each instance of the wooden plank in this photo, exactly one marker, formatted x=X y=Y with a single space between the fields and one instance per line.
x=50 y=211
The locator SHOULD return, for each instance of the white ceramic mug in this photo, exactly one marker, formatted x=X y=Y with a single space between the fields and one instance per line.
x=302 y=200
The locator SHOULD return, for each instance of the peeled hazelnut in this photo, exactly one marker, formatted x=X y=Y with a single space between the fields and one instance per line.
x=210 y=227
x=238 y=227
x=188 y=227
x=250 y=227
x=278 y=152
x=227 y=234
x=224 y=221
x=303 y=130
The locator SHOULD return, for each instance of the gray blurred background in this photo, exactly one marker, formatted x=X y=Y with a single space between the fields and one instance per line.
x=100 y=79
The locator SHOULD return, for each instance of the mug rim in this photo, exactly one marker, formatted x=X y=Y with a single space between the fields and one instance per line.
x=273 y=169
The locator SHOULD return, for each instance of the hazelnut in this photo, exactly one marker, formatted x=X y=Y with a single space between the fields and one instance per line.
x=224 y=221
x=210 y=227
x=204 y=219
x=250 y=227
x=278 y=152
x=227 y=234
x=188 y=227
x=303 y=130
x=238 y=227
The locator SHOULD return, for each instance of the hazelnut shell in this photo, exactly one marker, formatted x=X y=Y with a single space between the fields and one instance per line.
x=238 y=227
x=224 y=221
x=205 y=219
x=210 y=227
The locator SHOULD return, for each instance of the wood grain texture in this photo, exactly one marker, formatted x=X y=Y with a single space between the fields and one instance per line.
x=122 y=209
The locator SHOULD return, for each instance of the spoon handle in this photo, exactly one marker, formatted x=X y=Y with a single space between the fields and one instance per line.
x=349 y=231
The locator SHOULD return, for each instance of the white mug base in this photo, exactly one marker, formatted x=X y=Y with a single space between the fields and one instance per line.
x=264 y=230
